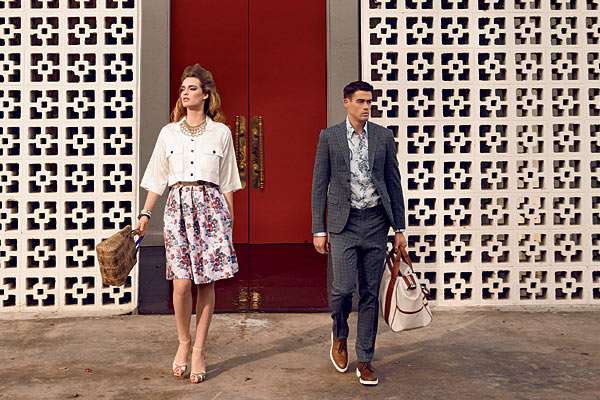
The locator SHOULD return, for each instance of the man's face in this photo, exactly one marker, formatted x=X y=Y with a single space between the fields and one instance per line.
x=359 y=105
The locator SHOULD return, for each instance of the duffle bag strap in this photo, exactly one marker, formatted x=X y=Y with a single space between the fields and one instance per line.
x=402 y=252
x=395 y=270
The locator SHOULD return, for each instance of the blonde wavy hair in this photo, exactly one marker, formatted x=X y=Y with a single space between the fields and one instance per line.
x=212 y=105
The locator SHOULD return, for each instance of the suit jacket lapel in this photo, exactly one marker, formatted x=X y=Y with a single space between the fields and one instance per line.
x=372 y=140
x=342 y=138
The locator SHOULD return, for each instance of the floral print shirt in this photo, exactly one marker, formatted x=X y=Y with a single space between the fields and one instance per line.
x=363 y=191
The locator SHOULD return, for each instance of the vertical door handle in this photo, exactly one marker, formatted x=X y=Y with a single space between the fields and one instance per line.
x=241 y=143
x=258 y=167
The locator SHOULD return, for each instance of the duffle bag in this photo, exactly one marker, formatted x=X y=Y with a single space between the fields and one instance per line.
x=402 y=298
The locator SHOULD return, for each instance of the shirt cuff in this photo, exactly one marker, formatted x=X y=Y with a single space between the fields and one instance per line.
x=230 y=188
x=153 y=188
x=319 y=234
x=399 y=230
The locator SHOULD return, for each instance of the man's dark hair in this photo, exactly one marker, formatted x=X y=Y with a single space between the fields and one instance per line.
x=356 y=86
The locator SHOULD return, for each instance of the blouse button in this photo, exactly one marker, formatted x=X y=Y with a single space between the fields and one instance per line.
x=214 y=152
x=192 y=151
x=192 y=162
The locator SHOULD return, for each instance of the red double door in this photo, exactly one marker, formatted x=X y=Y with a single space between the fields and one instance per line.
x=268 y=58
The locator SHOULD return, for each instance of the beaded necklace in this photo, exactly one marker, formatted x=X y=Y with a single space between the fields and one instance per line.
x=193 y=130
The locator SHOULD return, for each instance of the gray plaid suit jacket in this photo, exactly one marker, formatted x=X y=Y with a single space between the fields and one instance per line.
x=330 y=198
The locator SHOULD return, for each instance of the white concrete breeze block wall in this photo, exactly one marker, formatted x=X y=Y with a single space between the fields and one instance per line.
x=496 y=109
x=68 y=149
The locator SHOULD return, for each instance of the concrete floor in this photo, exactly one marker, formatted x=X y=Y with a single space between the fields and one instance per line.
x=482 y=354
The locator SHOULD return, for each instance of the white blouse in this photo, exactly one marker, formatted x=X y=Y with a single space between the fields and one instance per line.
x=178 y=157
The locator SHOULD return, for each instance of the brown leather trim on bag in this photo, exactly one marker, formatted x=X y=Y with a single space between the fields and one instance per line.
x=409 y=312
x=406 y=258
x=425 y=291
x=402 y=254
x=388 y=259
x=410 y=282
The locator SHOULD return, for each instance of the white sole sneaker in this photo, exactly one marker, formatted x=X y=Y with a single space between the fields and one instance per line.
x=371 y=383
x=333 y=361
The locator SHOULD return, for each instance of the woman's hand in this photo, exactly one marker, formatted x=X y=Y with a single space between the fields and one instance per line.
x=229 y=201
x=142 y=224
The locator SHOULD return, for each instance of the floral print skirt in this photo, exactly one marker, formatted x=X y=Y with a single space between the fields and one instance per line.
x=198 y=234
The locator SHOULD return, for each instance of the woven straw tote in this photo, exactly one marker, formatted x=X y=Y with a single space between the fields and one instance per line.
x=117 y=256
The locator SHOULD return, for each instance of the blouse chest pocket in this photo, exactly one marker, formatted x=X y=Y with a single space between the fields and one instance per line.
x=174 y=153
x=211 y=155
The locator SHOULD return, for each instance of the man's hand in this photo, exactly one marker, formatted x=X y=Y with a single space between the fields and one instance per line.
x=399 y=240
x=321 y=244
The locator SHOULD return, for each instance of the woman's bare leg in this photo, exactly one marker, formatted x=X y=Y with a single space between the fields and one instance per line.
x=205 y=306
x=182 y=302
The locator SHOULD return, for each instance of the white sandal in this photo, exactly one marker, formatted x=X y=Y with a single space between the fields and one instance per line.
x=197 y=377
x=179 y=369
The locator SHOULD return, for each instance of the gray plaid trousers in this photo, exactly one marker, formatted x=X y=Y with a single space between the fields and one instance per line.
x=359 y=249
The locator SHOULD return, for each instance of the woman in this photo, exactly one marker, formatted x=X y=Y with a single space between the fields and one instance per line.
x=194 y=155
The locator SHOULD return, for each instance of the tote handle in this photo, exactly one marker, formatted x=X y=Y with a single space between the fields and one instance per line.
x=138 y=241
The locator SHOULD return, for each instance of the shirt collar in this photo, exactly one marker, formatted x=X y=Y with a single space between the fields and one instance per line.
x=350 y=129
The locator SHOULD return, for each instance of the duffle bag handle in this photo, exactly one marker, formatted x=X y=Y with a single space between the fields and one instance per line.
x=404 y=254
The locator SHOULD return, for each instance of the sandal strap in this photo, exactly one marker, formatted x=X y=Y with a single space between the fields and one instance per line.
x=197 y=377
x=179 y=369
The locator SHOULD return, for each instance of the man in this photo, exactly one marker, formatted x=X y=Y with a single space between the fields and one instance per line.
x=356 y=188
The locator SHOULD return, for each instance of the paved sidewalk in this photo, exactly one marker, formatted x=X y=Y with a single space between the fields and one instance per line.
x=483 y=354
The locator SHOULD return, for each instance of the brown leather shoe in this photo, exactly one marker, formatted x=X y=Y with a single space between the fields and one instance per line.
x=339 y=353
x=366 y=376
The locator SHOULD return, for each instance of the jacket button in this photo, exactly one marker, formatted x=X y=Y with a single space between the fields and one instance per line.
x=348 y=180
x=348 y=198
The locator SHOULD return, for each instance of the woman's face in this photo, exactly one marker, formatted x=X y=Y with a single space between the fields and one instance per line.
x=191 y=94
